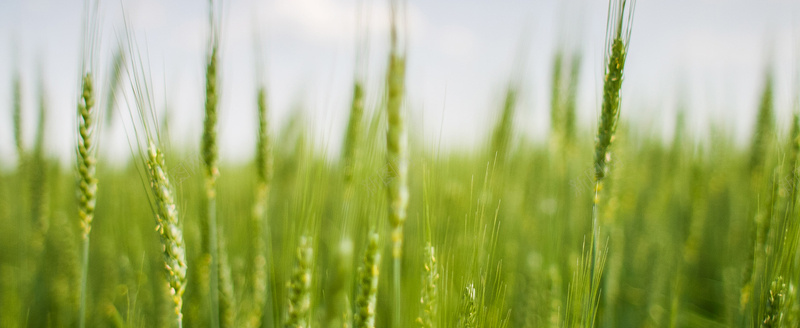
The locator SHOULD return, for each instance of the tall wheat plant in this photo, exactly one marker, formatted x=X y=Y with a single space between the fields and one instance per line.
x=86 y=149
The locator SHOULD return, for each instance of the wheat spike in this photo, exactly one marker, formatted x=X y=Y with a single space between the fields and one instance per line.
x=366 y=300
x=299 y=305
x=168 y=227
x=430 y=295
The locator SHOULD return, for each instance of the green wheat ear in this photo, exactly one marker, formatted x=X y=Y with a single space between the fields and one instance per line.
x=87 y=182
x=765 y=125
x=366 y=300
x=430 y=295
x=168 y=227
x=775 y=307
x=353 y=134
x=468 y=310
x=86 y=158
x=299 y=305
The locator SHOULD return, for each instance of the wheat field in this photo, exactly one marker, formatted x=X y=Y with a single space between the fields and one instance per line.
x=608 y=226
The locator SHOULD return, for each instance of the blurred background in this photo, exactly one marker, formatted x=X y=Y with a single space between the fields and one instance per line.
x=707 y=55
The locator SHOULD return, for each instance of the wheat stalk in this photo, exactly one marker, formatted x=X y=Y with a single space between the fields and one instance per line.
x=87 y=182
x=264 y=169
x=618 y=33
x=39 y=197
x=397 y=157
x=211 y=171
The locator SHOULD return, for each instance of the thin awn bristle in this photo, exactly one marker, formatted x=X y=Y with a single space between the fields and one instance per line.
x=503 y=133
x=366 y=300
x=570 y=101
x=557 y=116
x=115 y=79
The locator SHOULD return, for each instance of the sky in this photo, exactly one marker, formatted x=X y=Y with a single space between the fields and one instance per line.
x=710 y=55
